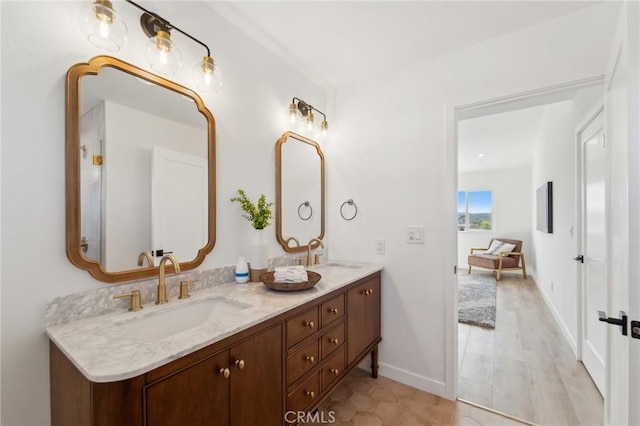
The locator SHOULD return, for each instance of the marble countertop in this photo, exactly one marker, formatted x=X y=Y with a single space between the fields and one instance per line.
x=104 y=352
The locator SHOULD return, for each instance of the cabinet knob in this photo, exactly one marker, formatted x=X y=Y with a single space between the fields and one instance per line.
x=365 y=292
x=334 y=341
x=311 y=394
x=334 y=311
x=224 y=372
x=240 y=364
x=309 y=324
x=311 y=359
x=335 y=371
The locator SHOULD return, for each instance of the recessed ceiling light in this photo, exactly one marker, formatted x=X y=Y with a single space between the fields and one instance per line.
x=480 y=155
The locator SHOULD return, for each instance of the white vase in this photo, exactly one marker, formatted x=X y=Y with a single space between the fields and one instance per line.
x=258 y=255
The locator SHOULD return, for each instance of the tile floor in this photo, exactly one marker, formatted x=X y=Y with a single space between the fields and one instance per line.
x=362 y=400
x=525 y=367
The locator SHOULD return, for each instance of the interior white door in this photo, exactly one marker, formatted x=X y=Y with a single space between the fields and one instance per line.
x=622 y=128
x=179 y=206
x=594 y=270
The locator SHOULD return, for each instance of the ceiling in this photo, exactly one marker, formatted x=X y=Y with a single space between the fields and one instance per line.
x=339 y=42
x=498 y=141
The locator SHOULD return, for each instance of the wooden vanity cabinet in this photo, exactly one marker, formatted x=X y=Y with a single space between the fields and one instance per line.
x=287 y=363
x=240 y=386
x=363 y=325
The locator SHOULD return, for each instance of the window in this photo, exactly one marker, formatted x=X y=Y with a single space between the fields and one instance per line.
x=475 y=211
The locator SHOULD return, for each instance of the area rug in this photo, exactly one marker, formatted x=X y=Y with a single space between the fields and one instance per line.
x=477 y=300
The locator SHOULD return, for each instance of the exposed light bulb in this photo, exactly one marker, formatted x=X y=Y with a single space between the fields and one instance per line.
x=163 y=56
x=102 y=26
x=207 y=75
x=324 y=130
x=309 y=121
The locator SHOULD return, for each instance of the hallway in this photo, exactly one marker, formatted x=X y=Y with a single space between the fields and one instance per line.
x=525 y=367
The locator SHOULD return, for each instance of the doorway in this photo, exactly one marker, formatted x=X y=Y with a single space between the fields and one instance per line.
x=536 y=330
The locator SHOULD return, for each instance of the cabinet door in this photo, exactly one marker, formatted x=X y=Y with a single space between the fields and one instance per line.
x=363 y=317
x=256 y=388
x=198 y=395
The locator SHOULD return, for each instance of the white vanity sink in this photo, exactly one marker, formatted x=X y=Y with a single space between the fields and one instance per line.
x=169 y=320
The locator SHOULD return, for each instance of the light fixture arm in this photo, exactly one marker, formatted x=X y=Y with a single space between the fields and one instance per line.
x=304 y=107
x=169 y=26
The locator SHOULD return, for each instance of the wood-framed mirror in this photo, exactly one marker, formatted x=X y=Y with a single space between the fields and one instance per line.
x=300 y=192
x=140 y=171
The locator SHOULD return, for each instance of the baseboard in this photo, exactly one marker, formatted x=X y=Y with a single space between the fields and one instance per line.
x=412 y=379
x=557 y=318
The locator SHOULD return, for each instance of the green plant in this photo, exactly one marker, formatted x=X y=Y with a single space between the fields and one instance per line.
x=258 y=215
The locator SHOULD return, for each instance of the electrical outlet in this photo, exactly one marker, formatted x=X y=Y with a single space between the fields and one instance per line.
x=415 y=234
x=380 y=246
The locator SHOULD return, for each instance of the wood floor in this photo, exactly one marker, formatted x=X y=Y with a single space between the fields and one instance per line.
x=525 y=367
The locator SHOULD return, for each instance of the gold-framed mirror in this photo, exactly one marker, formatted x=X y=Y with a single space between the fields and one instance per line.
x=300 y=192
x=140 y=171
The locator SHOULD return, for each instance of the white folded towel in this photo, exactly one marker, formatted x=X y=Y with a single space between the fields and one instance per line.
x=290 y=274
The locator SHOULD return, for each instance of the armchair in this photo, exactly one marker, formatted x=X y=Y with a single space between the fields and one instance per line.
x=500 y=261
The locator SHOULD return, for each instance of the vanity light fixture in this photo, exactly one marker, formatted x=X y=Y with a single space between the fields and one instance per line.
x=103 y=28
x=300 y=112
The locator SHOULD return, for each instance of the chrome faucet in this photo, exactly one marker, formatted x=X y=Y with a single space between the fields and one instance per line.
x=309 y=259
x=145 y=255
x=162 y=288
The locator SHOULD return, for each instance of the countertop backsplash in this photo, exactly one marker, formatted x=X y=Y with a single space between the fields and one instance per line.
x=99 y=301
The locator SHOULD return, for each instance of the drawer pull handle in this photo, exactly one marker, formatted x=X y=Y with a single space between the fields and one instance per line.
x=309 y=324
x=311 y=394
x=370 y=291
x=365 y=292
x=240 y=363
x=334 y=311
x=334 y=341
x=224 y=372
x=311 y=359
x=335 y=371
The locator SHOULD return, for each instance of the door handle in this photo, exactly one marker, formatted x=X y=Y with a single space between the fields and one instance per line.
x=622 y=321
x=579 y=258
x=635 y=329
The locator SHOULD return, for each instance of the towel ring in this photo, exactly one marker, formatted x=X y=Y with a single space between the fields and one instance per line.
x=351 y=203
x=305 y=204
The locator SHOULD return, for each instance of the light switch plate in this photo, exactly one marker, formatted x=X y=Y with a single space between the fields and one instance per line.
x=380 y=246
x=415 y=234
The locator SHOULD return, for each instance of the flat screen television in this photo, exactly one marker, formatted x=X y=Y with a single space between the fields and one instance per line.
x=544 y=208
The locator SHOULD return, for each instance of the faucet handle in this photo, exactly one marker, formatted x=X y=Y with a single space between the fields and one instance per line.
x=184 y=288
x=135 y=299
x=316 y=258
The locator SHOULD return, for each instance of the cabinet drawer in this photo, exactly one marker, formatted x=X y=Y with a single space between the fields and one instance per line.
x=333 y=369
x=301 y=326
x=305 y=394
x=302 y=361
x=332 y=310
x=332 y=340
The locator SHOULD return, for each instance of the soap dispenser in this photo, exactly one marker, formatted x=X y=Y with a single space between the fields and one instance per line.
x=242 y=271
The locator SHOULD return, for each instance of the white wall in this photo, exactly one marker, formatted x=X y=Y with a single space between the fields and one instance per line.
x=389 y=152
x=554 y=160
x=41 y=40
x=511 y=209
